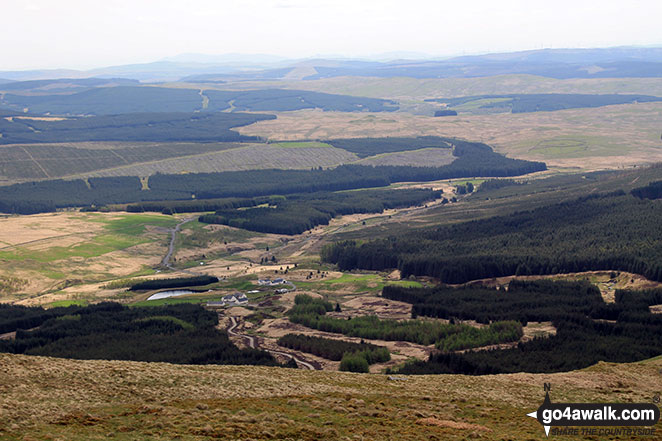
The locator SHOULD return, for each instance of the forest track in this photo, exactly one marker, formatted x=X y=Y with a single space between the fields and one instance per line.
x=252 y=343
x=171 y=247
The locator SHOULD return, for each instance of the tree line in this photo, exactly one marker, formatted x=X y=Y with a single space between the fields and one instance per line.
x=473 y=159
x=599 y=232
x=587 y=329
x=155 y=127
x=546 y=102
x=536 y=301
x=179 y=282
x=195 y=205
x=182 y=333
x=297 y=213
x=125 y=99
x=650 y=191
x=446 y=336
x=353 y=357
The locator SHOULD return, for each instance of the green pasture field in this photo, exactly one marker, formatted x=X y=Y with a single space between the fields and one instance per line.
x=357 y=282
x=65 y=303
x=118 y=234
x=475 y=105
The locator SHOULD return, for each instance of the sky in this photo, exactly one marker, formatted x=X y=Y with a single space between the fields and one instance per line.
x=84 y=34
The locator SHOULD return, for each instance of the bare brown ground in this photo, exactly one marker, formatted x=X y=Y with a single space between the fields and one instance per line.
x=538 y=329
x=62 y=276
x=432 y=421
x=244 y=248
x=400 y=351
x=225 y=268
x=531 y=330
x=609 y=137
x=53 y=229
x=287 y=299
x=395 y=275
x=379 y=306
x=238 y=311
x=602 y=279
x=8 y=336
x=77 y=400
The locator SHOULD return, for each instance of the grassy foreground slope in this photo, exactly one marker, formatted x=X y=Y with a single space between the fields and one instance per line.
x=45 y=398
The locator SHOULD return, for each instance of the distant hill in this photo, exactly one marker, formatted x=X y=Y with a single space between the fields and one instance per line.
x=132 y=99
x=543 y=102
x=67 y=85
x=553 y=63
x=619 y=62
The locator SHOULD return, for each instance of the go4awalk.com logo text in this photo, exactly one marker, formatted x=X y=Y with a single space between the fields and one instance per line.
x=596 y=419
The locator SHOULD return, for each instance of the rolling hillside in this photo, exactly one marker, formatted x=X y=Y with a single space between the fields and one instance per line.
x=47 y=398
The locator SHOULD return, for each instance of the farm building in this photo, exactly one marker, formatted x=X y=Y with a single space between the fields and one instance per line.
x=237 y=298
x=269 y=282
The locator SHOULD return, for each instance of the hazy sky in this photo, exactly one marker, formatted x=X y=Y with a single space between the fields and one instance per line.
x=95 y=33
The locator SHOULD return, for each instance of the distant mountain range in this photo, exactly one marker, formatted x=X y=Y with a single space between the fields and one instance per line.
x=620 y=62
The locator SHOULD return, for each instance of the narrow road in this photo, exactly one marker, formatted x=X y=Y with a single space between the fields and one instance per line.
x=205 y=99
x=252 y=344
x=233 y=326
x=171 y=248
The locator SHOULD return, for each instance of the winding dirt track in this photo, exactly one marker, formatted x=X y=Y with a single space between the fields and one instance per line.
x=252 y=344
x=171 y=248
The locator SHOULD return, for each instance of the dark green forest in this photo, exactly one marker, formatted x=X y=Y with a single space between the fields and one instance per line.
x=179 y=282
x=107 y=101
x=524 y=302
x=288 y=100
x=338 y=350
x=546 y=102
x=182 y=333
x=495 y=184
x=651 y=191
x=445 y=112
x=196 y=205
x=473 y=159
x=599 y=232
x=311 y=313
x=298 y=213
x=149 y=99
x=155 y=127
x=588 y=330
x=364 y=147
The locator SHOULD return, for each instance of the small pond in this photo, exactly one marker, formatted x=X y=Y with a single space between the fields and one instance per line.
x=171 y=293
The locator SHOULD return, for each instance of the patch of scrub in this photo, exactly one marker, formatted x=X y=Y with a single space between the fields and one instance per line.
x=65 y=303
